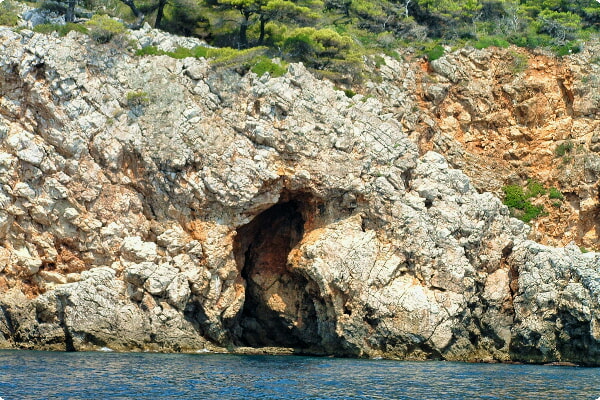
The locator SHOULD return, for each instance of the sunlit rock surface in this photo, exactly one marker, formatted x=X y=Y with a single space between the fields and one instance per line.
x=149 y=203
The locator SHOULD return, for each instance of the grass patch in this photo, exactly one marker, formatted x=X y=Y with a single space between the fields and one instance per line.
x=518 y=200
x=434 y=52
x=564 y=148
x=265 y=64
x=489 y=41
x=520 y=62
x=103 y=28
x=8 y=15
x=62 y=30
x=240 y=60
x=555 y=194
x=137 y=99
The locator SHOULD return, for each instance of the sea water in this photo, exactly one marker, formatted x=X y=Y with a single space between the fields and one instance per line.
x=47 y=375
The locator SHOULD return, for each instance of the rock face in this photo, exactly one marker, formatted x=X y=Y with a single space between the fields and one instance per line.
x=507 y=116
x=159 y=204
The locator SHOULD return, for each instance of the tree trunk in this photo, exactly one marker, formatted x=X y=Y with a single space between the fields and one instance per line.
x=136 y=12
x=261 y=37
x=244 y=29
x=70 y=14
x=160 y=13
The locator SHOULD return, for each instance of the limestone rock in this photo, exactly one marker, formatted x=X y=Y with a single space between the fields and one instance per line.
x=234 y=211
x=505 y=116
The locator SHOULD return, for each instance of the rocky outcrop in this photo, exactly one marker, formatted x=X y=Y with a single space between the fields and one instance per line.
x=505 y=116
x=150 y=203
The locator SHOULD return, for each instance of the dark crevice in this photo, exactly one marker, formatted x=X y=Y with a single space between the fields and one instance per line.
x=567 y=95
x=9 y=322
x=61 y=306
x=195 y=314
x=513 y=280
x=363 y=224
x=281 y=305
x=507 y=251
x=406 y=177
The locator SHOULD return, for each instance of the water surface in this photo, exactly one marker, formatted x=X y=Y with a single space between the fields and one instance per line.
x=46 y=375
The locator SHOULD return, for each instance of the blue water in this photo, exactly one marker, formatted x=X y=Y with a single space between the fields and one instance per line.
x=44 y=375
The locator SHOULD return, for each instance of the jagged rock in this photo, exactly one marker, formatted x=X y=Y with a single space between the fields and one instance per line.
x=556 y=293
x=502 y=116
x=163 y=40
x=242 y=211
x=36 y=16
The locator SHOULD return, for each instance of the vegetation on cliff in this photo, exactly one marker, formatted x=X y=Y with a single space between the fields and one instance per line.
x=333 y=35
x=163 y=190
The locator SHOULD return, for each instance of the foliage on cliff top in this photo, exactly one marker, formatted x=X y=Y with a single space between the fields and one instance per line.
x=335 y=35
x=103 y=28
x=8 y=14
x=253 y=59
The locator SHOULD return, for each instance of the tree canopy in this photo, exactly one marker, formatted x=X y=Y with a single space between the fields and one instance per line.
x=335 y=34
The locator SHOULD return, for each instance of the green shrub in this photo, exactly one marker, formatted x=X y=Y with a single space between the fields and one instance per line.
x=379 y=61
x=103 y=28
x=530 y=40
x=567 y=48
x=329 y=54
x=137 y=99
x=554 y=193
x=349 y=93
x=489 y=41
x=534 y=189
x=514 y=197
x=264 y=64
x=435 y=52
x=8 y=19
x=561 y=26
x=149 y=51
x=46 y=28
x=8 y=15
x=564 y=148
x=531 y=212
x=62 y=30
x=518 y=200
x=240 y=60
x=181 y=52
x=54 y=6
x=182 y=17
x=314 y=46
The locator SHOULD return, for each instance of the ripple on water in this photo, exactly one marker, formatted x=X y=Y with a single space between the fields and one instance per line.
x=109 y=375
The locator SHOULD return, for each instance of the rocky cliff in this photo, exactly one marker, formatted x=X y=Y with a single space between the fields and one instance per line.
x=149 y=203
x=508 y=116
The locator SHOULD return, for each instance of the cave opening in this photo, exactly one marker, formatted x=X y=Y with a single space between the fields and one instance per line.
x=280 y=307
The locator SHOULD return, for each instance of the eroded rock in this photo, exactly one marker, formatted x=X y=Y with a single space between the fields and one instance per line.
x=236 y=211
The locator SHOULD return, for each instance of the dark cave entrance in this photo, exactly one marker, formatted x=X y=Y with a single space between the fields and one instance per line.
x=280 y=304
